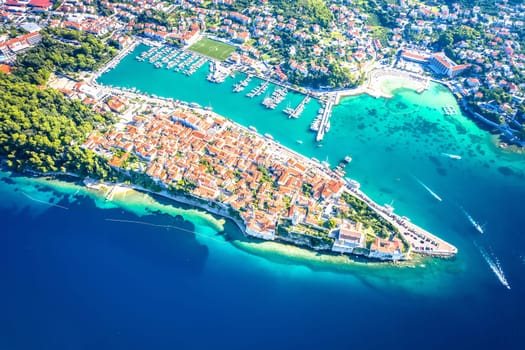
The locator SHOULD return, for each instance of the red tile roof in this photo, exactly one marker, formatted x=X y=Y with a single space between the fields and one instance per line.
x=40 y=3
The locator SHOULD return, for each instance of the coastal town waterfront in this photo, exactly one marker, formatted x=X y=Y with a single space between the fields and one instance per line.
x=153 y=258
x=277 y=194
x=436 y=97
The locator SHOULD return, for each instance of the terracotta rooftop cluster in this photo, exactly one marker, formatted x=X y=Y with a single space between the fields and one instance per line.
x=226 y=163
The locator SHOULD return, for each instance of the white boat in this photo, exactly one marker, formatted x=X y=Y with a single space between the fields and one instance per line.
x=453 y=156
x=477 y=226
x=268 y=136
x=429 y=190
x=474 y=223
x=300 y=142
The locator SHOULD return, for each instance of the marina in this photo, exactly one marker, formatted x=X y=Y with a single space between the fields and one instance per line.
x=188 y=63
x=240 y=86
x=278 y=95
x=181 y=61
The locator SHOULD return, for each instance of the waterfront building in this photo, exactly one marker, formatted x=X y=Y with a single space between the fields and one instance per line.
x=385 y=249
x=441 y=64
x=349 y=236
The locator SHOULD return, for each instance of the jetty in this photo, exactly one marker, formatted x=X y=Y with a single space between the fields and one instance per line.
x=324 y=124
x=296 y=112
x=258 y=89
x=242 y=84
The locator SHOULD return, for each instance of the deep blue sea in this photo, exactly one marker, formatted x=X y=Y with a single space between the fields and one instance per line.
x=79 y=272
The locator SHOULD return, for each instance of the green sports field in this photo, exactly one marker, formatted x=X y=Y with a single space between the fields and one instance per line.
x=212 y=48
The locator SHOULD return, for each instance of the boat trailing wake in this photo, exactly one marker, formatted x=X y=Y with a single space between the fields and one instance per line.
x=494 y=265
x=434 y=194
x=453 y=156
x=474 y=223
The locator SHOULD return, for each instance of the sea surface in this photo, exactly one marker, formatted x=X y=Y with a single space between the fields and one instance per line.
x=80 y=272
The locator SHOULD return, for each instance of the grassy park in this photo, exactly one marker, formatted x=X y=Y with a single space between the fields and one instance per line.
x=212 y=48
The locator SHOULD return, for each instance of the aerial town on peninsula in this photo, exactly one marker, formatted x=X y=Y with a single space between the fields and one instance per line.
x=323 y=49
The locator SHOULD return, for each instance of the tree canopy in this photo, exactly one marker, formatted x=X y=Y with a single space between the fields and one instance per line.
x=41 y=130
x=64 y=51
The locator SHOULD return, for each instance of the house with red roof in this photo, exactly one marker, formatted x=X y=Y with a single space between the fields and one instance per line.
x=349 y=236
x=40 y=5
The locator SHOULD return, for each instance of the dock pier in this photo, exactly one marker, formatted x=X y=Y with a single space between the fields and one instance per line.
x=259 y=89
x=295 y=113
x=325 y=119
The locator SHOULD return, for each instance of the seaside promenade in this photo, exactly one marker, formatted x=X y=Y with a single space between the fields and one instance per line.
x=421 y=241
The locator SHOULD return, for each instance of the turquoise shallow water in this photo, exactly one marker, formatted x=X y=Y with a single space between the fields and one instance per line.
x=76 y=279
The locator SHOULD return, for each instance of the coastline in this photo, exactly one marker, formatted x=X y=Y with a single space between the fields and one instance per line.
x=116 y=195
x=374 y=84
x=252 y=244
x=367 y=270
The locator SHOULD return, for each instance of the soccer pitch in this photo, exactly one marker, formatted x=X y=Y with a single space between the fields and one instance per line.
x=212 y=48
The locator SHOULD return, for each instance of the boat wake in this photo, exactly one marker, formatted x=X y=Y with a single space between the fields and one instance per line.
x=453 y=156
x=494 y=265
x=434 y=194
x=44 y=202
x=474 y=223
